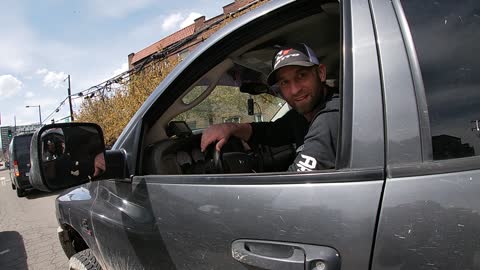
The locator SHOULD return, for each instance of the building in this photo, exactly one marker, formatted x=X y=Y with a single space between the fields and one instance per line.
x=182 y=42
x=447 y=147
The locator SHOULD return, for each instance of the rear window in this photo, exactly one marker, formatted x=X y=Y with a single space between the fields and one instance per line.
x=22 y=147
x=446 y=36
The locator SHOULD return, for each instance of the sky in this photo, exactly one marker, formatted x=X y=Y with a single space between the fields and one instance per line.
x=42 y=42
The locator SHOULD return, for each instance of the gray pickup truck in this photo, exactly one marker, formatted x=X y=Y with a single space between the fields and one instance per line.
x=404 y=193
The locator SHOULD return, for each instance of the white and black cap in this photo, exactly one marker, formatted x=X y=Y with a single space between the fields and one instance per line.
x=292 y=55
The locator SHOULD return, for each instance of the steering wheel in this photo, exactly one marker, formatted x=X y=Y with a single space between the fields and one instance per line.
x=216 y=157
x=217 y=160
x=232 y=158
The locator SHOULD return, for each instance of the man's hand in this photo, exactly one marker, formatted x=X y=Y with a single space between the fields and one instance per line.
x=220 y=133
x=99 y=164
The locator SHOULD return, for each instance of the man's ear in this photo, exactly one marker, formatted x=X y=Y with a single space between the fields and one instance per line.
x=322 y=72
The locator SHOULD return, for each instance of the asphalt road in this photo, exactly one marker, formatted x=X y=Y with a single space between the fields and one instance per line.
x=28 y=230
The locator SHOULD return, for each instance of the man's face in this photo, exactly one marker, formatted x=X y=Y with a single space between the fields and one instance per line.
x=302 y=87
x=51 y=147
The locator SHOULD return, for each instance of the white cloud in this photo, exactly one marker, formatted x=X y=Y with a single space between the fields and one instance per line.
x=29 y=94
x=53 y=79
x=117 y=8
x=172 y=22
x=9 y=86
x=121 y=69
x=41 y=71
x=190 y=19
x=176 y=21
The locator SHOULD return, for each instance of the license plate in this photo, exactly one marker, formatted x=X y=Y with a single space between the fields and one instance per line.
x=27 y=174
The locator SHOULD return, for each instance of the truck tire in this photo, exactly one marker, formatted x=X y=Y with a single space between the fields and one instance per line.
x=83 y=260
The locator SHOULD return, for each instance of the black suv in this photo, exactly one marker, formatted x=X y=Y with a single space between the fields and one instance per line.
x=404 y=193
x=19 y=154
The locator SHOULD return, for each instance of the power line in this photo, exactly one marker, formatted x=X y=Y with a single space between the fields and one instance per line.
x=55 y=111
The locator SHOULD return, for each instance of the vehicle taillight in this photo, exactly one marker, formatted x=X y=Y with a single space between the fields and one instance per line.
x=15 y=168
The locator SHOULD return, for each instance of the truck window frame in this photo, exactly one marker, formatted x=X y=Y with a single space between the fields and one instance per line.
x=428 y=166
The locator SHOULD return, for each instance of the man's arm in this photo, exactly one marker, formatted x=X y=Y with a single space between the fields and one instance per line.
x=275 y=133
x=319 y=149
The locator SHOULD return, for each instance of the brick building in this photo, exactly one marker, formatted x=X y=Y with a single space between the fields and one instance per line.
x=185 y=40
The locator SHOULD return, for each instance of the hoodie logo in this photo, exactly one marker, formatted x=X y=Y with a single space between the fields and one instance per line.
x=307 y=164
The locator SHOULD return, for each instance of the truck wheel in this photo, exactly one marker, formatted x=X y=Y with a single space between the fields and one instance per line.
x=83 y=260
x=20 y=192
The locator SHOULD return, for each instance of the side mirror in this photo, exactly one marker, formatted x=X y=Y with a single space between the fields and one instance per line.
x=65 y=155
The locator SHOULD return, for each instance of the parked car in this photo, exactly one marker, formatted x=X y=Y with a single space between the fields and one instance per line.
x=19 y=156
x=2 y=165
x=404 y=191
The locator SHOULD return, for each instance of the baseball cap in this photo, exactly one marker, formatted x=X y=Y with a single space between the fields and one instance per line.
x=292 y=55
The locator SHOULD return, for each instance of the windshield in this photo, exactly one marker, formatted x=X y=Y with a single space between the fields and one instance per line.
x=227 y=104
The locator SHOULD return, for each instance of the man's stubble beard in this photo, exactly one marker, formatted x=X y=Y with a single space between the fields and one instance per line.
x=317 y=99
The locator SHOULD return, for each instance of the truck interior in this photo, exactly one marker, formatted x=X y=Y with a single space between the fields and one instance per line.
x=235 y=90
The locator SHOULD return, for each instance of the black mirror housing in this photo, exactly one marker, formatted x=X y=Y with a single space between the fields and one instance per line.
x=116 y=162
x=65 y=155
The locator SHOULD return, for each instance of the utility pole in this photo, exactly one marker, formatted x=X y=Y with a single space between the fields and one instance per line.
x=70 y=99
x=40 y=114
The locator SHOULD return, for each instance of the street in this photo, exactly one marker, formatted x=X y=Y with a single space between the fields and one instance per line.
x=28 y=237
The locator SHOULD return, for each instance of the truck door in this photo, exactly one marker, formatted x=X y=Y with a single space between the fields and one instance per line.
x=429 y=217
x=315 y=220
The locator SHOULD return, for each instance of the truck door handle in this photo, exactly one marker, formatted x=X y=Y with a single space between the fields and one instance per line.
x=285 y=256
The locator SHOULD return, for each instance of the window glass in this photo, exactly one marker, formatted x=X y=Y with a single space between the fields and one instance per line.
x=194 y=94
x=22 y=148
x=228 y=104
x=446 y=37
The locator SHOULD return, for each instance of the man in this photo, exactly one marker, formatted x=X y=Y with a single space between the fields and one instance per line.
x=89 y=159
x=312 y=125
x=50 y=153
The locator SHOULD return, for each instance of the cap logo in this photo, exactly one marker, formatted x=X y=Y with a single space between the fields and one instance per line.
x=282 y=55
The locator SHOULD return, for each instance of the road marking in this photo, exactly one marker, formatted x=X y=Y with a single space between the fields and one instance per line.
x=5 y=251
x=2 y=179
